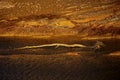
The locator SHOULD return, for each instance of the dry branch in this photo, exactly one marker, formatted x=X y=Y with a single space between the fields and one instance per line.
x=54 y=44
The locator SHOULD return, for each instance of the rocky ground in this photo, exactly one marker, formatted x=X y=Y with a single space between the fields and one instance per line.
x=85 y=18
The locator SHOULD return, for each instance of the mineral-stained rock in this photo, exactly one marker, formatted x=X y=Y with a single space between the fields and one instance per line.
x=84 y=17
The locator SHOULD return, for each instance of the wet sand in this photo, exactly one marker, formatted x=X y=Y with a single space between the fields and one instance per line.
x=68 y=66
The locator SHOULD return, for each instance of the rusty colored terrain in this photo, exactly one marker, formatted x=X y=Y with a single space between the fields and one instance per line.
x=38 y=22
x=85 y=18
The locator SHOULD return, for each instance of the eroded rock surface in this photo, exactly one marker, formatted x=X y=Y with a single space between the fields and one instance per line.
x=55 y=17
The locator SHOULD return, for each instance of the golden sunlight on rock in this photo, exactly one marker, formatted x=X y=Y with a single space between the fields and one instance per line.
x=84 y=18
x=31 y=23
x=117 y=53
x=72 y=54
x=62 y=23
